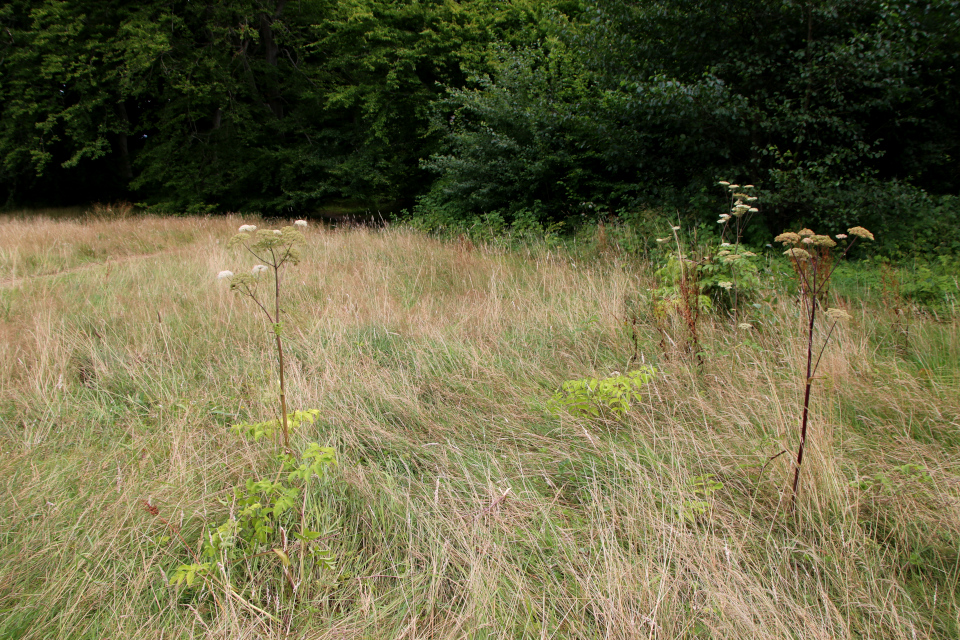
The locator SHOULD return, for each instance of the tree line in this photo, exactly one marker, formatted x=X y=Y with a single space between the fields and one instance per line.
x=518 y=111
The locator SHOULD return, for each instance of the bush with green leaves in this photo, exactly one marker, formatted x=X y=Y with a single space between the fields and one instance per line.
x=601 y=397
x=263 y=513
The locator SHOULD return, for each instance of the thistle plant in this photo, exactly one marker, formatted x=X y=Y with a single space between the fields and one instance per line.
x=273 y=249
x=813 y=265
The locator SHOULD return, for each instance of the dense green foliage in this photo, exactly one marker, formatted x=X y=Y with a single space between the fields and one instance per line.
x=842 y=111
x=231 y=105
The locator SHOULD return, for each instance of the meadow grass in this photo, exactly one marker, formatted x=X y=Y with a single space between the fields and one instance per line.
x=460 y=507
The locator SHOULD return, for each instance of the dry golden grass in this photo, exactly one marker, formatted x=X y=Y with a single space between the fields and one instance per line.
x=460 y=506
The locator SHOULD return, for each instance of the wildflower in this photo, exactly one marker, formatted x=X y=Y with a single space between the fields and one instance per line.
x=745 y=326
x=748 y=254
x=840 y=236
x=788 y=237
x=675 y=228
x=754 y=210
x=247 y=228
x=803 y=233
x=277 y=232
x=725 y=244
x=752 y=199
x=258 y=269
x=797 y=254
x=722 y=220
x=749 y=186
x=300 y=223
x=724 y=183
x=223 y=275
x=662 y=239
x=726 y=284
x=860 y=232
x=808 y=240
x=733 y=186
x=824 y=241
x=723 y=253
x=838 y=315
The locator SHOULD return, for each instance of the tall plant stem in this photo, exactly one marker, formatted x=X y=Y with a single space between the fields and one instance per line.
x=276 y=333
x=806 y=401
x=283 y=395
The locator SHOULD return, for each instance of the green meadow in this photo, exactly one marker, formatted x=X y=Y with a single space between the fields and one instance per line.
x=463 y=503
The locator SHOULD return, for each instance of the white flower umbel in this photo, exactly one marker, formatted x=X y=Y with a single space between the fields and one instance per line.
x=274 y=250
x=223 y=275
x=300 y=223
x=247 y=228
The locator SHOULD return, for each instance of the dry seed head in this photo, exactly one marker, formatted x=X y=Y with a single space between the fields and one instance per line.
x=860 y=232
x=838 y=314
x=797 y=254
x=745 y=326
x=788 y=237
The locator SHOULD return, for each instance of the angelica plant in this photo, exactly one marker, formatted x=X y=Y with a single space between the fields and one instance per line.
x=731 y=273
x=273 y=250
x=813 y=265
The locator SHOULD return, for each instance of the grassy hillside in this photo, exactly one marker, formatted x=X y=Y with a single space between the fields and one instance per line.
x=461 y=506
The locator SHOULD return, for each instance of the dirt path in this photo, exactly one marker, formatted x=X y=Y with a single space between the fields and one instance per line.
x=15 y=282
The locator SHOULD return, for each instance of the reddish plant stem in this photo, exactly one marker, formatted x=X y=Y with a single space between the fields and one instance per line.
x=804 y=420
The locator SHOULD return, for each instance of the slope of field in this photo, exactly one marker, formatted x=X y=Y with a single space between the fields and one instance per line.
x=460 y=507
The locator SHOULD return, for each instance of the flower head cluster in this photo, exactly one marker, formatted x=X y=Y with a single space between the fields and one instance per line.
x=800 y=255
x=741 y=199
x=838 y=315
